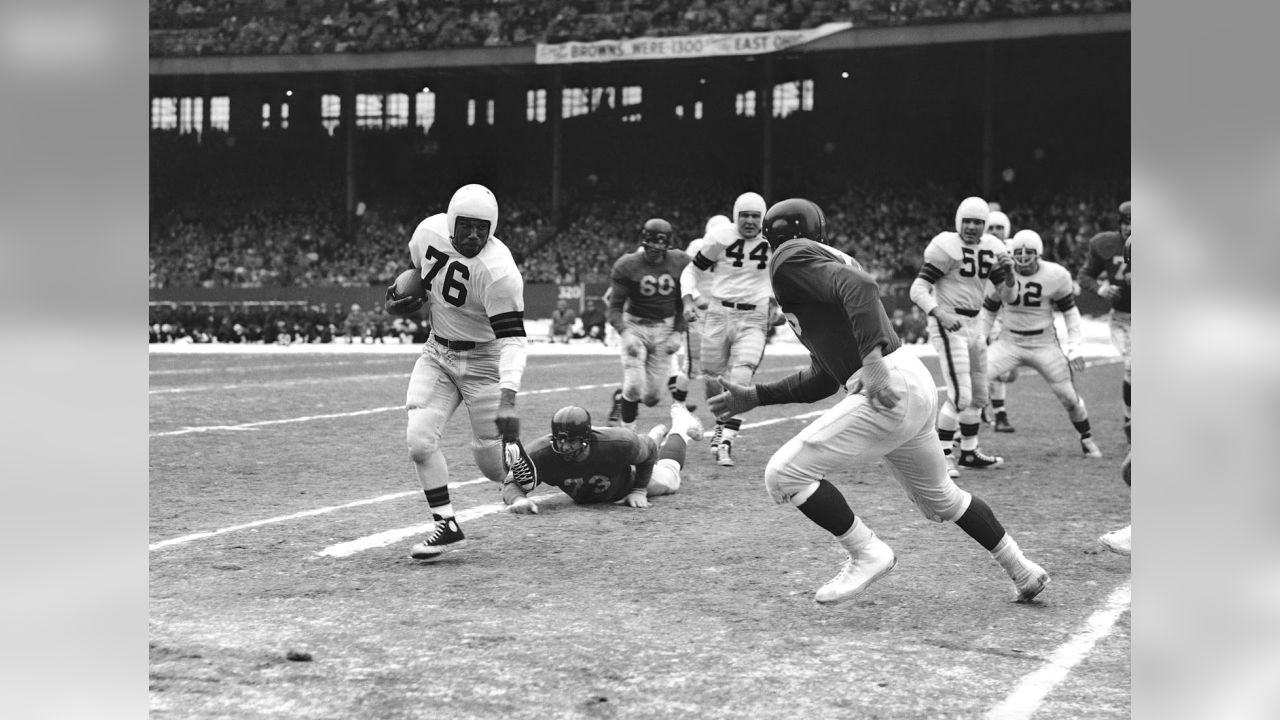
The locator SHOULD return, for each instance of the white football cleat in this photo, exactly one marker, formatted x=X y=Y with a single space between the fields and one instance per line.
x=872 y=562
x=1090 y=448
x=658 y=433
x=1119 y=541
x=1031 y=582
x=724 y=453
x=952 y=471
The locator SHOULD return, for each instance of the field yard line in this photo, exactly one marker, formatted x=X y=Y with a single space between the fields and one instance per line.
x=353 y=413
x=295 y=516
x=1032 y=689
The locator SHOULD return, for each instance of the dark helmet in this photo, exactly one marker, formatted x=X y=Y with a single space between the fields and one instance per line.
x=570 y=430
x=794 y=218
x=656 y=238
x=1126 y=218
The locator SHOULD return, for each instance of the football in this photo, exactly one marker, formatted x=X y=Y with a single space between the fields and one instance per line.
x=409 y=284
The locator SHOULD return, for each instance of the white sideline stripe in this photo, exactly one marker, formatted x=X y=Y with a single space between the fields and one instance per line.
x=1032 y=689
x=295 y=516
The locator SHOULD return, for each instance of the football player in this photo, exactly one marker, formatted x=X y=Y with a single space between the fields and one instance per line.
x=1028 y=337
x=736 y=321
x=889 y=409
x=476 y=354
x=687 y=362
x=1121 y=541
x=1107 y=274
x=645 y=308
x=999 y=226
x=949 y=289
x=600 y=465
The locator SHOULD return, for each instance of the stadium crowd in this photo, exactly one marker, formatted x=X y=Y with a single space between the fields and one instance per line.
x=260 y=27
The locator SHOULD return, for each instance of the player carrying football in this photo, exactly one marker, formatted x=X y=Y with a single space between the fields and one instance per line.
x=1106 y=259
x=476 y=354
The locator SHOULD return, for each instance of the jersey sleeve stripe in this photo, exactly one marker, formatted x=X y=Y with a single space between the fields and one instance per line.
x=509 y=324
x=701 y=262
x=930 y=273
x=990 y=303
x=1066 y=303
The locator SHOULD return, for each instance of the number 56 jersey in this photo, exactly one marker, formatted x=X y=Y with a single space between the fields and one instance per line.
x=468 y=295
x=958 y=270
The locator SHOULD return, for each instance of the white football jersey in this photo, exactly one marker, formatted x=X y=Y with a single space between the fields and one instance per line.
x=958 y=270
x=742 y=266
x=703 y=287
x=1029 y=304
x=465 y=292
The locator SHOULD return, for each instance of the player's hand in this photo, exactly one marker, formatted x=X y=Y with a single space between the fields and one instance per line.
x=507 y=420
x=637 y=499
x=946 y=320
x=735 y=400
x=873 y=382
x=401 y=306
x=523 y=506
x=1107 y=291
x=1003 y=272
x=1075 y=359
x=690 y=313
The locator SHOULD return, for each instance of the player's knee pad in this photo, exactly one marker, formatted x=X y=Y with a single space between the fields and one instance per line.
x=488 y=456
x=970 y=416
x=944 y=503
x=422 y=436
x=781 y=479
x=665 y=479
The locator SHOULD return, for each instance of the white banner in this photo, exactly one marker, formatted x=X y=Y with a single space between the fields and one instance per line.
x=684 y=46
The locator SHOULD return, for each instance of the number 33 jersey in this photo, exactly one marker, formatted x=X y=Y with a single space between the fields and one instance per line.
x=465 y=292
x=959 y=271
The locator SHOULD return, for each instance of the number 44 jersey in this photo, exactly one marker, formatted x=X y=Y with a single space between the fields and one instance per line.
x=465 y=292
x=959 y=271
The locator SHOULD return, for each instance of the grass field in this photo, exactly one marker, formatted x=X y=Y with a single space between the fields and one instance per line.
x=283 y=505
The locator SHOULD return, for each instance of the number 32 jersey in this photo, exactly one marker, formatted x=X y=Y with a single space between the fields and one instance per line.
x=466 y=293
x=959 y=271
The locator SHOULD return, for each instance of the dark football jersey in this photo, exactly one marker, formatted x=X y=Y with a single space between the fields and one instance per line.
x=646 y=290
x=605 y=476
x=1106 y=257
x=832 y=305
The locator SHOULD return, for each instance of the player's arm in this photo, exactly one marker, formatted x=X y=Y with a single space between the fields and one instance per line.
x=936 y=264
x=1093 y=269
x=1066 y=304
x=504 y=304
x=990 y=306
x=701 y=264
x=618 y=294
x=644 y=455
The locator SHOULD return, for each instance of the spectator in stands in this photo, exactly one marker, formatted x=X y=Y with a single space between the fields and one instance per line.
x=562 y=322
x=593 y=321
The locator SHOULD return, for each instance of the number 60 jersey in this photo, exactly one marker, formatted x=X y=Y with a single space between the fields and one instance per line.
x=470 y=297
x=959 y=270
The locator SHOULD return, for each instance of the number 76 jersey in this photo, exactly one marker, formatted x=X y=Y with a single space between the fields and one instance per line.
x=959 y=271
x=466 y=293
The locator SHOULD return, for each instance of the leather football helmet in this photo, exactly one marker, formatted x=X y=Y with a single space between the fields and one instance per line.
x=972 y=208
x=655 y=238
x=794 y=218
x=1126 y=219
x=1027 y=248
x=475 y=204
x=570 y=431
x=748 y=202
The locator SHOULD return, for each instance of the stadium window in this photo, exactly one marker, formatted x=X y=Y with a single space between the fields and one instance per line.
x=489 y=111
x=369 y=111
x=601 y=97
x=190 y=115
x=397 y=110
x=266 y=116
x=745 y=103
x=164 y=113
x=631 y=95
x=426 y=109
x=220 y=113
x=471 y=112
x=680 y=111
x=573 y=102
x=697 y=110
x=535 y=105
x=330 y=112
x=792 y=97
x=806 y=95
x=284 y=116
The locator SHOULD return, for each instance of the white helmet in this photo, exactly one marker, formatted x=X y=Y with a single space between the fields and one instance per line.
x=972 y=208
x=748 y=202
x=1026 y=247
x=716 y=221
x=472 y=201
x=998 y=219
